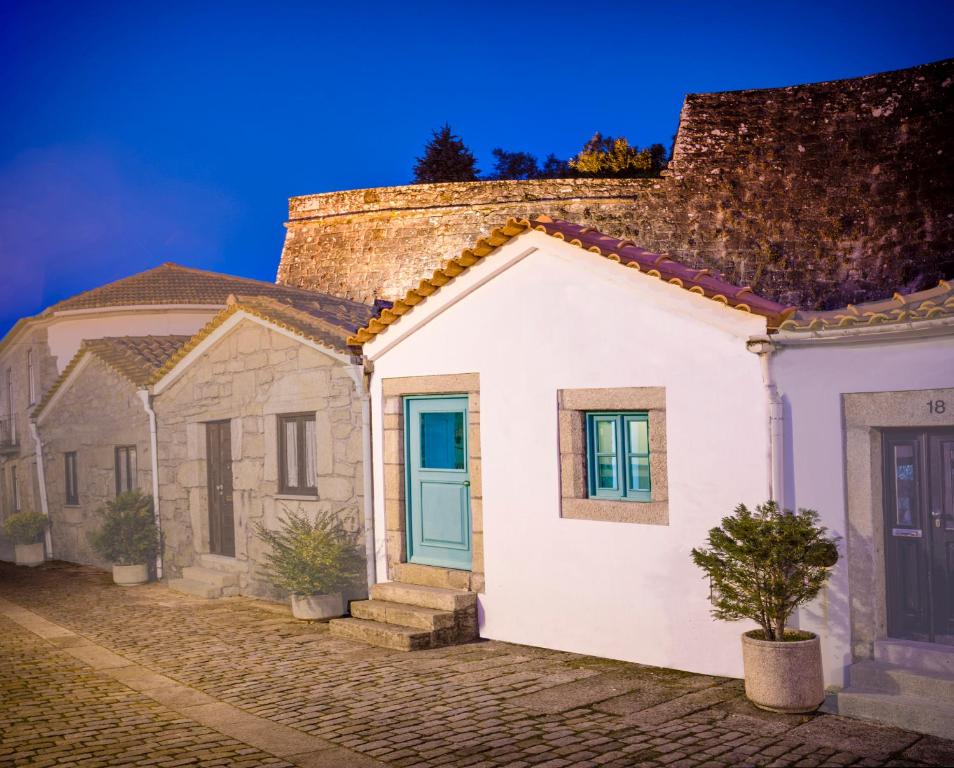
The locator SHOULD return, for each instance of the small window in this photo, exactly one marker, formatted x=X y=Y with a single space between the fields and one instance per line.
x=126 y=469
x=15 y=489
x=72 y=484
x=618 y=455
x=296 y=454
x=31 y=377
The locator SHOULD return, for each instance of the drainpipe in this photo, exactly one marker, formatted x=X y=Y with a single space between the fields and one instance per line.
x=361 y=374
x=763 y=347
x=154 y=456
x=41 y=480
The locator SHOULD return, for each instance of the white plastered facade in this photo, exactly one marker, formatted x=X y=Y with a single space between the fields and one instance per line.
x=539 y=316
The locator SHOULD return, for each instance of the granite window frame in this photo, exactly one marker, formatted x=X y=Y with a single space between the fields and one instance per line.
x=31 y=377
x=300 y=420
x=126 y=466
x=576 y=503
x=71 y=479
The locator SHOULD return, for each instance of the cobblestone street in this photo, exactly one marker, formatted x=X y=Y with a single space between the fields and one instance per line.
x=95 y=675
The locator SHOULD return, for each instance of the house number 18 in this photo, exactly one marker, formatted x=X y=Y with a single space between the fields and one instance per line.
x=936 y=406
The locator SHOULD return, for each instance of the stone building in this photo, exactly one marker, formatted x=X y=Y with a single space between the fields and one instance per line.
x=94 y=429
x=167 y=300
x=816 y=195
x=260 y=414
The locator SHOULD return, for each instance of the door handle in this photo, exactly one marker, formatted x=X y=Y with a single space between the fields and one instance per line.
x=467 y=483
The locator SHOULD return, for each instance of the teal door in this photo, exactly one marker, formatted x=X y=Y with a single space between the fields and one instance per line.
x=438 y=480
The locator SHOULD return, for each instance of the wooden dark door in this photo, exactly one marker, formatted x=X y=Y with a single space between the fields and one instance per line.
x=919 y=534
x=218 y=440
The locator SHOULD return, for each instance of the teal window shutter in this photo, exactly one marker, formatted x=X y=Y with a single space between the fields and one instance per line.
x=617 y=455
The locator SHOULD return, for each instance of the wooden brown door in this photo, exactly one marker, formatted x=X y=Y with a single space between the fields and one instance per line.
x=219 y=460
x=919 y=534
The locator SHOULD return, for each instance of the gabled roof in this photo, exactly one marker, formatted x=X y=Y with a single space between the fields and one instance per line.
x=624 y=252
x=323 y=320
x=174 y=284
x=135 y=358
x=932 y=303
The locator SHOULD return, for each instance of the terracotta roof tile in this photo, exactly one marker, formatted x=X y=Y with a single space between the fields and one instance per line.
x=318 y=318
x=135 y=358
x=924 y=305
x=624 y=252
x=175 y=284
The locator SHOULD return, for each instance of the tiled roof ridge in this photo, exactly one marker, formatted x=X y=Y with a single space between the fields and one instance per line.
x=236 y=304
x=271 y=301
x=927 y=304
x=232 y=283
x=626 y=252
x=124 y=346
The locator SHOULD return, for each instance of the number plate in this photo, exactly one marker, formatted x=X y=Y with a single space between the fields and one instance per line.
x=907 y=533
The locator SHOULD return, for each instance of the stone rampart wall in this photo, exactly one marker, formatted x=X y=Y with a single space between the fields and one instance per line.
x=816 y=195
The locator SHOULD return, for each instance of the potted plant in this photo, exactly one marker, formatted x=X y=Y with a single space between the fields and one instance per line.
x=26 y=530
x=762 y=565
x=314 y=560
x=128 y=537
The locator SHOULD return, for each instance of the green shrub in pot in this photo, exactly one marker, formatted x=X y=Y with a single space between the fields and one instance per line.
x=311 y=557
x=128 y=537
x=25 y=527
x=762 y=565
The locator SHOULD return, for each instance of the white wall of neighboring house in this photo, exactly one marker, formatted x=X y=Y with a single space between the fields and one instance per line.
x=560 y=317
x=68 y=330
x=811 y=380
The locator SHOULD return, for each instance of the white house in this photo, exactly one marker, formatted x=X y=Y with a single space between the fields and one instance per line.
x=487 y=380
x=560 y=416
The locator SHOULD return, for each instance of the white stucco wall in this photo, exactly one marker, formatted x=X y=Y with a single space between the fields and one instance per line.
x=811 y=380
x=66 y=332
x=564 y=318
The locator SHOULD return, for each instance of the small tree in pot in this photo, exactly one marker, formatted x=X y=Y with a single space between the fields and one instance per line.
x=762 y=565
x=314 y=560
x=128 y=537
x=26 y=530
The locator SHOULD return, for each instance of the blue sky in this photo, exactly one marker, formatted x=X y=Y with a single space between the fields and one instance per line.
x=133 y=133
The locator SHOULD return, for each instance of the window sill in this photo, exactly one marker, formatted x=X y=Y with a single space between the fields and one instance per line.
x=297 y=496
x=73 y=506
x=613 y=511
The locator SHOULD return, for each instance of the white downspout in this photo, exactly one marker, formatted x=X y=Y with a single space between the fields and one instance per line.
x=763 y=347
x=363 y=392
x=41 y=481
x=154 y=456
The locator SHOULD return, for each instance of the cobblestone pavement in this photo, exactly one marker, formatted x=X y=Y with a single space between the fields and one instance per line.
x=218 y=663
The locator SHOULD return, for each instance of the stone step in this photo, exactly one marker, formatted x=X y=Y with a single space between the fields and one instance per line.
x=403 y=615
x=888 y=678
x=925 y=657
x=431 y=576
x=210 y=576
x=223 y=563
x=425 y=597
x=195 y=588
x=383 y=635
x=913 y=713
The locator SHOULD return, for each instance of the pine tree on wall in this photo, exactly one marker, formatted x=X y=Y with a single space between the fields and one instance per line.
x=445 y=159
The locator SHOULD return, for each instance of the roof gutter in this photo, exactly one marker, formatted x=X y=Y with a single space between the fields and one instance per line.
x=763 y=347
x=360 y=372
x=41 y=480
x=146 y=398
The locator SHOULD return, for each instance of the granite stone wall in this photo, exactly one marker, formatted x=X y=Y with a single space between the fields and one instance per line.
x=98 y=412
x=816 y=195
x=249 y=377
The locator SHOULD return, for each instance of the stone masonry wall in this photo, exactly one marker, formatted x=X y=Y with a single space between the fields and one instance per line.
x=817 y=195
x=98 y=412
x=249 y=377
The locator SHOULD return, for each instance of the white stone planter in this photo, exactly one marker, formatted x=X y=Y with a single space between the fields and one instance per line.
x=783 y=677
x=318 y=607
x=130 y=575
x=29 y=554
